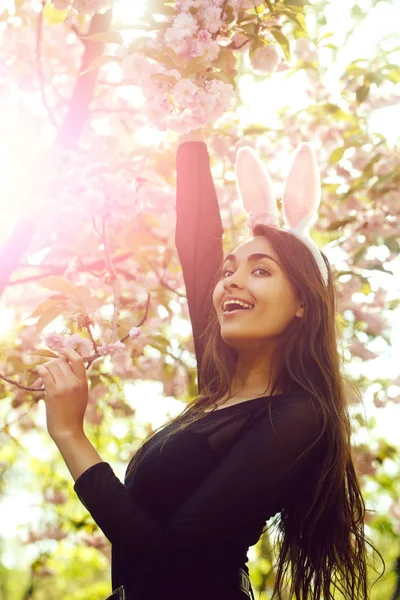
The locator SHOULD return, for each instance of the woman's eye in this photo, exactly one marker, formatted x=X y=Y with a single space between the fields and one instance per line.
x=226 y=271
x=258 y=269
x=262 y=269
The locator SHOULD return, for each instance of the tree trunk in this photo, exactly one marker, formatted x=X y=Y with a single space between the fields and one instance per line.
x=19 y=241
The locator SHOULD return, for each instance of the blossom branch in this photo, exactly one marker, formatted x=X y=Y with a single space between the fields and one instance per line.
x=59 y=269
x=88 y=360
x=115 y=281
x=39 y=68
x=214 y=35
x=89 y=330
x=6 y=427
x=163 y=282
x=143 y=318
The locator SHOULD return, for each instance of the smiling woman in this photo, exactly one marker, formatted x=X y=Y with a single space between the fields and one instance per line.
x=201 y=488
x=255 y=332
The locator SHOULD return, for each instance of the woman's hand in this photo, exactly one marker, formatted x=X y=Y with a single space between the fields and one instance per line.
x=66 y=396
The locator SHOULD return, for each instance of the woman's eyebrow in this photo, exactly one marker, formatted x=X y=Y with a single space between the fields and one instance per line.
x=252 y=258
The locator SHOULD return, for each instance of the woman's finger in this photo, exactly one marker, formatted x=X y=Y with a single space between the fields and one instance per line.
x=54 y=369
x=37 y=383
x=62 y=369
x=47 y=379
x=76 y=363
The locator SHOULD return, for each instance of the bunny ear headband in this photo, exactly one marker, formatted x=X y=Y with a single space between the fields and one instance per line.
x=300 y=200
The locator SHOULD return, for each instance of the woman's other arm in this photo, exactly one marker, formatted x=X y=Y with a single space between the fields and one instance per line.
x=198 y=234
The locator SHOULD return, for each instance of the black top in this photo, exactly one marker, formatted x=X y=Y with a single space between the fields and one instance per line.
x=189 y=512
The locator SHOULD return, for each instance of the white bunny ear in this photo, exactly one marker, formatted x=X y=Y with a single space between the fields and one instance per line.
x=255 y=188
x=302 y=191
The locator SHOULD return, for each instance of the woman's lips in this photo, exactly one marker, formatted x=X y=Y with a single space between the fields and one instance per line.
x=234 y=312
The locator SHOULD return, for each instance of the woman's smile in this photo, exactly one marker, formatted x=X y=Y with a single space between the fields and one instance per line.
x=228 y=313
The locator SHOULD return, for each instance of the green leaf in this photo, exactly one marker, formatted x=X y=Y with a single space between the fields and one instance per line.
x=42 y=307
x=362 y=92
x=47 y=317
x=394 y=75
x=337 y=155
x=86 y=299
x=335 y=110
x=195 y=65
x=161 y=57
x=161 y=7
x=170 y=79
x=53 y=16
x=248 y=29
x=59 y=284
x=100 y=61
x=46 y=353
x=335 y=225
x=297 y=3
x=282 y=41
x=32 y=378
x=326 y=35
x=106 y=37
x=366 y=288
x=138 y=44
x=296 y=17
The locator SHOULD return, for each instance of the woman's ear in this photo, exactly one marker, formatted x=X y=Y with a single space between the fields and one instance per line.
x=300 y=311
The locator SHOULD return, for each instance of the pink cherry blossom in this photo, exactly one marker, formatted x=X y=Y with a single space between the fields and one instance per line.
x=55 y=496
x=76 y=342
x=185 y=92
x=359 y=349
x=186 y=5
x=54 y=341
x=204 y=104
x=265 y=60
x=111 y=349
x=205 y=46
x=380 y=400
x=184 y=26
x=210 y=17
x=184 y=122
x=134 y=332
x=136 y=66
x=224 y=91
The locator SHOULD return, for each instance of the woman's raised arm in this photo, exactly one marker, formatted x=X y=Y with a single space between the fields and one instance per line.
x=198 y=234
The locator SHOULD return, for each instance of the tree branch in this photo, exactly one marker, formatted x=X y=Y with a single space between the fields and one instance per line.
x=39 y=68
x=13 y=249
x=59 y=269
x=114 y=278
x=85 y=82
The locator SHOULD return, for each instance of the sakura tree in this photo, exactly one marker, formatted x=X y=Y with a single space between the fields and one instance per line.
x=94 y=97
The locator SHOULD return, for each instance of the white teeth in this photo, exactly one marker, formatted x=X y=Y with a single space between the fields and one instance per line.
x=244 y=304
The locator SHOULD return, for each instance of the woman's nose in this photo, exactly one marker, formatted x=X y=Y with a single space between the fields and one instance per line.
x=231 y=282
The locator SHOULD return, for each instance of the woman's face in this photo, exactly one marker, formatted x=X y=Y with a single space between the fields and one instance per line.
x=261 y=282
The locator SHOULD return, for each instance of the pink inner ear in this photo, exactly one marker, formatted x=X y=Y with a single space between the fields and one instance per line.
x=302 y=189
x=255 y=187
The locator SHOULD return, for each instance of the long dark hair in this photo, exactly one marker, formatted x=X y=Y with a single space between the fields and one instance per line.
x=321 y=541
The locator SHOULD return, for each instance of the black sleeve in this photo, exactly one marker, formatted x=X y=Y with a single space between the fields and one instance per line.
x=198 y=235
x=249 y=482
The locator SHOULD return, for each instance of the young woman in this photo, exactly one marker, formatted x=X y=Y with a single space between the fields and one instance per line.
x=268 y=435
